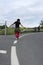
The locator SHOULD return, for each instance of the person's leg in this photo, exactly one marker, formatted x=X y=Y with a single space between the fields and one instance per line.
x=17 y=35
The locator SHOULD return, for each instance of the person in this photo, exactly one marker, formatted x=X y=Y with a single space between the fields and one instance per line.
x=17 y=27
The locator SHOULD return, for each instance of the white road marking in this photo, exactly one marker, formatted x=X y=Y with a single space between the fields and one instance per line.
x=15 y=41
x=14 y=59
x=3 y=51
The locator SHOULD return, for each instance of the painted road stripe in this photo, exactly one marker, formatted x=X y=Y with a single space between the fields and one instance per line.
x=15 y=41
x=14 y=59
x=3 y=51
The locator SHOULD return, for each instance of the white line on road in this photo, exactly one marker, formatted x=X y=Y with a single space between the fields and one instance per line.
x=3 y=51
x=14 y=59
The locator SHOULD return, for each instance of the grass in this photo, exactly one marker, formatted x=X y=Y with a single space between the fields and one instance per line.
x=10 y=31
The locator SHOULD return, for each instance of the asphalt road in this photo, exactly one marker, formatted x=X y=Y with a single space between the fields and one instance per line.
x=29 y=49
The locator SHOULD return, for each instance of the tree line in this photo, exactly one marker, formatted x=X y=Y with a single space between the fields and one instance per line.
x=3 y=27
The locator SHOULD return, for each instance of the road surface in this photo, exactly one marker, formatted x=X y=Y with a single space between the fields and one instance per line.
x=28 y=50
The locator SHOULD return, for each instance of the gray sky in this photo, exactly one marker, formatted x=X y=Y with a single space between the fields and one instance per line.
x=30 y=12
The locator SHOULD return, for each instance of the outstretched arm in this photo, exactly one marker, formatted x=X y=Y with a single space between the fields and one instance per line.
x=22 y=26
x=12 y=24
